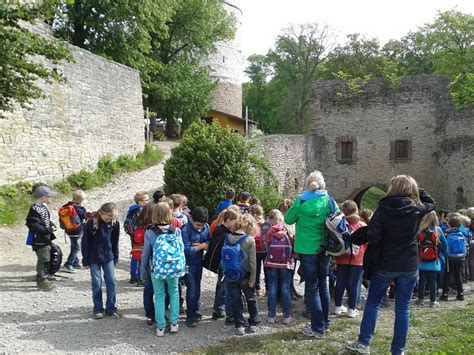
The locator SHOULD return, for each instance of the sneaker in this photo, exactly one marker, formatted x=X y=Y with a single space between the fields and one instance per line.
x=339 y=310
x=51 y=278
x=352 y=313
x=252 y=329
x=98 y=315
x=288 y=321
x=140 y=283
x=117 y=314
x=150 y=321
x=46 y=286
x=78 y=267
x=460 y=297
x=240 y=331
x=310 y=333
x=229 y=320
x=434 y=304
x=132 y=281
x=69 y=269
x=271 y=320
x=191 y=322
x=217 y=315
x=444 y=297
x=358 y=347
x=174 y=328
x=160 y=332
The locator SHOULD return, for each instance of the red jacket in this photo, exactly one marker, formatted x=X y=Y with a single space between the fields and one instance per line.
x=357 y=257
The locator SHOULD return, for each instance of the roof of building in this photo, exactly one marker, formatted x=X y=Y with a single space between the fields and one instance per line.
x=232 y=116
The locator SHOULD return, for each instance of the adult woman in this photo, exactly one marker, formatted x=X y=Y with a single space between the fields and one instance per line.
x=393 y=231
x=309 y=212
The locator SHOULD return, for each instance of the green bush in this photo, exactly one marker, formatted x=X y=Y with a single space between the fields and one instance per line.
x=62 y=186
x=210 y=160
x=14 y=201
x=159 y=136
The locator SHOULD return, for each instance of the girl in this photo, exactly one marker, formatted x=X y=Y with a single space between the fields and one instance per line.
x=349 y=266
x=100 y=251
x=261 y=248
x=161 y=218
x=280 y=264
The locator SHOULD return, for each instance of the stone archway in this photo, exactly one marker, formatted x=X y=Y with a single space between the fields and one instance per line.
x=358 y=194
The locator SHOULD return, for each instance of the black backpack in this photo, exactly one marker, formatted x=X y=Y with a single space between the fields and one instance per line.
x=55 y=260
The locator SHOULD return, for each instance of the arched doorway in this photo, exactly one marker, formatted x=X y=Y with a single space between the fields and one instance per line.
x=369 y=197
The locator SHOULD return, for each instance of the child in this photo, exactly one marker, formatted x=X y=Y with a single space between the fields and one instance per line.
x=366 y=215
x=261 y=248
x=196 y=241
x=158 y=195
x=349 y=266
x=280 y=264
x=100 y=251
x=229 y=201
x=432 y=248
x=161 y=217
x=177 y=208
x=141 y=200
x=245 y=227
x=72 y=262
x=39 y=223
x=456 y=256
x=244 y=202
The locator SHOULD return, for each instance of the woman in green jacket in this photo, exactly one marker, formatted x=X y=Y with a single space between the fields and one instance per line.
x=309 y=212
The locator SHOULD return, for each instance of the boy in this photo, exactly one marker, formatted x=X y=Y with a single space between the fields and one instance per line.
x=158 y=195
x=456 y=256
x=196 y=239
x=72 y=262
x=39 y=222
x=177 y=208
x=229 y=201
x=141 y=200
x=244 y=202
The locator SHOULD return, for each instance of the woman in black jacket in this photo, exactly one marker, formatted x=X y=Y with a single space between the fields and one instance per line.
x=392 y=233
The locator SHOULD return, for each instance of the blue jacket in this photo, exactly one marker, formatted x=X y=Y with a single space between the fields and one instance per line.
x=100 y=242
x=223 y=205
x=441 y=263
x=192 y=236
x=147 y=253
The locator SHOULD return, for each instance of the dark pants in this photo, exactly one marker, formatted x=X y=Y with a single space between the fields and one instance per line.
x=349 y=277
x=148 y=303
x=72 y=259
x=260 y=260
x=221 y=302
x=193 y=289
x=454 y=269
x=234 y=290
x=43 y=256
x=427 y=278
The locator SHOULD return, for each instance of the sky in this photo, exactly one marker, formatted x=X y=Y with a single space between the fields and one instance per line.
x=384 y=19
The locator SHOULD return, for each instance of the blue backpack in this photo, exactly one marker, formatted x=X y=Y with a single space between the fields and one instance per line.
x=456 y=245
x=233 y=260
x=168 y=257
x=338 y=232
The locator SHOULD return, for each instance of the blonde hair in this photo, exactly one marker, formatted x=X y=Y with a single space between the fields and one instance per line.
x=161 y=214
x=247 y=223
x=405 y=186
x=466 y=221
x=139 y=196
x=470 y=212
x=454 y=220
x=78 y=195
x=429 y=221
x=108 y=211
x=315 y=181
x=351 y=211
x=234 y=208
x=366 y=215
x=276 y=215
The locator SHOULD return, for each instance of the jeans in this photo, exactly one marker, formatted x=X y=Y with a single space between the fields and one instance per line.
x=96 y=282
x=233 y=291
x=348 y=277
x=315 y=273
x=427 y=277
x=72 y=259
x=148 y=299
x=43 y=256
x=279 y=279
x=455 y=270
x=135 y=269
x=404 y=284
x=221 y=302
x=260 y=260
x=173 y=294
x=193 y=289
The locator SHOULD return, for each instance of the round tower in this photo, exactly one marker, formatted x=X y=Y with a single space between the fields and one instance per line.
x=227 y=67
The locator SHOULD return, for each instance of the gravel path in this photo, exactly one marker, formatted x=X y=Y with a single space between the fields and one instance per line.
x=60 y=321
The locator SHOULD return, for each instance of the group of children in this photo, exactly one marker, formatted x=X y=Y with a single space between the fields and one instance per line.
x=171 y=245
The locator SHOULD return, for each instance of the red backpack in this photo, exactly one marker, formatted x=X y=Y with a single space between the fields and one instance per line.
x=428 y=245
x=138 y=241
x=68 y=219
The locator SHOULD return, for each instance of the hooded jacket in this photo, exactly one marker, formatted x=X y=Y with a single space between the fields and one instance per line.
x=248 y=248
x=393 y=231
x=278 y=231
x=191 y=236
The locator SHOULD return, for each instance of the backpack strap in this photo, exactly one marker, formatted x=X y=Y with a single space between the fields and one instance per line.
x=242 y=239
x=332 y=205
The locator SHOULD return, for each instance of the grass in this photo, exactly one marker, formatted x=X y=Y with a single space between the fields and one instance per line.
x=442 y=331
x=371 y=198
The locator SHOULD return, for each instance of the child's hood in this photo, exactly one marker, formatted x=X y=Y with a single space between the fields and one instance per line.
x=234 y=238
x=133 y=208
x=278 y=231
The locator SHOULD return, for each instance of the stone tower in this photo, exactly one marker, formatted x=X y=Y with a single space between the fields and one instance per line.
x=227 y=68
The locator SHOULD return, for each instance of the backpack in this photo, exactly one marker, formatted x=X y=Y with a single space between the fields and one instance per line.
x=428 y=244
x=168 y=257
x=456 y=245
x=129 y=223
x=138 y=241
x=233 y=259
x=68 y=219
x=280 y=250
x=338 y=232
x=55 y=259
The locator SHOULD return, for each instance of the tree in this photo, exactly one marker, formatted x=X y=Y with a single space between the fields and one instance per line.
x=210 y=159
x=18 y=46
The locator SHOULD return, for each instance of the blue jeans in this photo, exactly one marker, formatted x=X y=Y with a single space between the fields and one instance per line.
x=315 y=273
x=148 y=299
x=72 y=259
x=348 y=277
x=135 y=269
x=260 y=260
x=404 y=284
x=427 y=278
x=96 y=282
x=173 y=294
x=233 y=291
x=279 y=279
x=193 y=289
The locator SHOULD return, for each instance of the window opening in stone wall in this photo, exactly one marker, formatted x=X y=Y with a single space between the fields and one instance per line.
x=401 y=150
x=346 y=151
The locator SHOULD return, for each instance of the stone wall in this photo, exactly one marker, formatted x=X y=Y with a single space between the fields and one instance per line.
x=98 y=111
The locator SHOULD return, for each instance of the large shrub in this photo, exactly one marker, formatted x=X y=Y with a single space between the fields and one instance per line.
x=210 y=160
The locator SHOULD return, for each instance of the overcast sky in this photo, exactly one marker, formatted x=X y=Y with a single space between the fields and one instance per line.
x=384 y=19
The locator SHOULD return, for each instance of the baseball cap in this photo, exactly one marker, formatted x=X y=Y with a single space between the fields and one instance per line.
x=244 y=196
x=42 y=191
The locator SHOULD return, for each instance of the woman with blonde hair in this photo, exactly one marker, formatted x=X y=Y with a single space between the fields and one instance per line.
x=393 y=239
